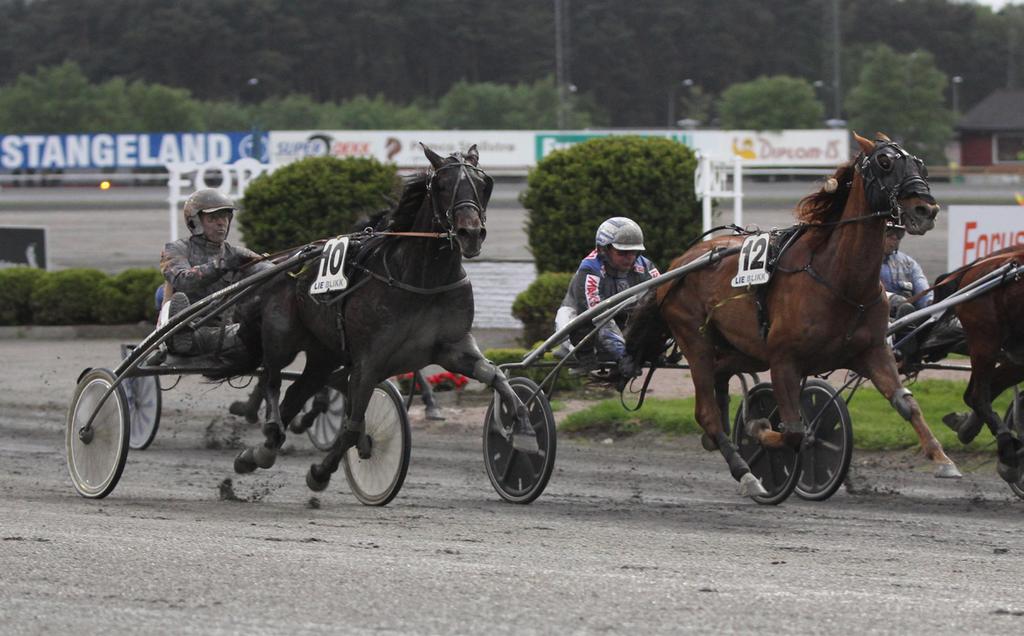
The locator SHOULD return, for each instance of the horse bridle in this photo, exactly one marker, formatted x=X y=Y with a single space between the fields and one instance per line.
x=446 y=217
x=888 y=177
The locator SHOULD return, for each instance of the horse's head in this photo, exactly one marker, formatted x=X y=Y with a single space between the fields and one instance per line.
x=896 y=182
x=459 y=191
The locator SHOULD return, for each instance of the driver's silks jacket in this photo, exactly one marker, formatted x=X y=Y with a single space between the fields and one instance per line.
x=192 y=265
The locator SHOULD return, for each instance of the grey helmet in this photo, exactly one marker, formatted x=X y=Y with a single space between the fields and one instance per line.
x=621 y=233
x=202 y=201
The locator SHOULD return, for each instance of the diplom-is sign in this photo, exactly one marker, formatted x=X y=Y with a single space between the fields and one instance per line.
x=121 y=150
x=976 y=231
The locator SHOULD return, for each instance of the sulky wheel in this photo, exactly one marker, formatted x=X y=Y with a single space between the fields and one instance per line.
x=327 y=425
x=777 y=468
x=1015 y=420
x=519 y=477
x=825 y=456
x=375 y=481
x=96 y=454
x=144 y=408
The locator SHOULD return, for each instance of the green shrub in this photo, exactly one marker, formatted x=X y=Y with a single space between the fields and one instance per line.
x=565 y=381
x=314 y=198
x=16 y=285
x=139 y=286
x=66 y=297
x=572 y=191
x=113 y=306
x=537 y=304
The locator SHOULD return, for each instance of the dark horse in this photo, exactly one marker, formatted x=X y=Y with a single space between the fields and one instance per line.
x=410 y=305
x=824 y=308
x=994 y=326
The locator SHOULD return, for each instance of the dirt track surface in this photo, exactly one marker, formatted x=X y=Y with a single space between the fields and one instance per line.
x=645 y=535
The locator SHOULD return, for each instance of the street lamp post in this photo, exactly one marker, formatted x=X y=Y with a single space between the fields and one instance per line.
x=956 y=81
x=687 y=83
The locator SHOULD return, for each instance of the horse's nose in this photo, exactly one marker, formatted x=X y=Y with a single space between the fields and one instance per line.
x=928 y=210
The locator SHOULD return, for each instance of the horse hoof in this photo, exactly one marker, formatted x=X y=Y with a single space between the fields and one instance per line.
x=947 y=471
x=313 y=482
x=241 y=409
x=758 y=426
x=364 y=447
x=245 y=462
x=434 y=413
x=264 y=457
x=708 y=443
x=750 y=486
x=525 y=443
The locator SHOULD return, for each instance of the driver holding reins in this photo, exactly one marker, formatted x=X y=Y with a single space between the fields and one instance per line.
x=202 y=264
x=615 y=265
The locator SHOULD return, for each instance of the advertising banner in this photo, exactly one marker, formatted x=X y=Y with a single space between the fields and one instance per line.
x=22 y=246
x=122 y=150
x=978 y=230
x=796 y=148
x=498 y=149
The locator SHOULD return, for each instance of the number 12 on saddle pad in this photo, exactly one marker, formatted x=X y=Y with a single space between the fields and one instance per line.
x=331 y=276
x=753 y=261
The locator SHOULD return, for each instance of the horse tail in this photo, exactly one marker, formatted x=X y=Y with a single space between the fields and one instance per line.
x=646 y=331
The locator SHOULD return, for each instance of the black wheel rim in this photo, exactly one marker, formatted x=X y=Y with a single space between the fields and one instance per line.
x=517 y=476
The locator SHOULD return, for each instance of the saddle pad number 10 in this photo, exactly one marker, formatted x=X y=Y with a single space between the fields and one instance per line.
x=331 y=276
x=753 y=262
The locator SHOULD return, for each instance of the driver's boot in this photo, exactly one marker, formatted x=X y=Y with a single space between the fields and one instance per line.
x=181 y=343
x=217 y=341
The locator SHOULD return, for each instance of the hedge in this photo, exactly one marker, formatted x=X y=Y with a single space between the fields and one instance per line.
x=571 y=191
x=537 y=304
x=566 y=382
x=314 y=198
x=77 y=296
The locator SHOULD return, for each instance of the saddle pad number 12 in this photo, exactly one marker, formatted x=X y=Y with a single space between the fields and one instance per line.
x=331 y=276
x=753 y=262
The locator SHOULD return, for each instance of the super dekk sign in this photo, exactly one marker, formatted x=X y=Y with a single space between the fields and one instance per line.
x=978 y=230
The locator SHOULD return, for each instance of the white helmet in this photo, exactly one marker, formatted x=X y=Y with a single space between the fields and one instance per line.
x=621 y=233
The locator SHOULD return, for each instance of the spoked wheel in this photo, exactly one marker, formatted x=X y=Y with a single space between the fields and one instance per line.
x=327 y=425
x=96 y=454
x=144 y=405
x=1015 y=420
x=777 y=468
x=826 y=454
x=375 y=481
x=519 y=477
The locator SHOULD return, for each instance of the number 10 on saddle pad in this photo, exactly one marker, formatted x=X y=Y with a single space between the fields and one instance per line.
x=331 y=276
x=753 y=262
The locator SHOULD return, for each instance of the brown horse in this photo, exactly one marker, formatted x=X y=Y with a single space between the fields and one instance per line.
x=824 y=308
x=994 y=326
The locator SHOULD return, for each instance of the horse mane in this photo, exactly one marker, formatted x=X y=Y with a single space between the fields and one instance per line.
x=402 y=216
x=826 y=206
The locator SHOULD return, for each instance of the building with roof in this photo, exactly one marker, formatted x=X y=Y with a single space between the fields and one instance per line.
x=992 y=133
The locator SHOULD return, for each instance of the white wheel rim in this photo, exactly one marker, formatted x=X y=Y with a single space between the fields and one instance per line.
x=142 y=395
x=327 y=425
x=376 y=476
x=91 y=464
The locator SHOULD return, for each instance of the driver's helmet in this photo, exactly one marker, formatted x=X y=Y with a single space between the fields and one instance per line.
x=621 y=233
x=201 y=202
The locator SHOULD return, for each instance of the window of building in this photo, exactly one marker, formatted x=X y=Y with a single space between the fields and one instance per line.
x=1010 y=148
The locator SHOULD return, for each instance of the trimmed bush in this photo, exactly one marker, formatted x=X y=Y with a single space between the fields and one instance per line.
x=565 y=381
x=16 y=284
x=66 y=297
x=572 y=191
x=113 y=306
x=537 y=304
x=139 y=287
x=317 y=197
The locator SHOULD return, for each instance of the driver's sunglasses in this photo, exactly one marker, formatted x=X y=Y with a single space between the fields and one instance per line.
x=217 y=215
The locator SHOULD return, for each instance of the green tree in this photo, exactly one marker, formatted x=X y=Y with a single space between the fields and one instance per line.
x=902 y=95
x=771 y=103
x=55 y=99
x=572 y=191
x=364 y=113
x=504 y=106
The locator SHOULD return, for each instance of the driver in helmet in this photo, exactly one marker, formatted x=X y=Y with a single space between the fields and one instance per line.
x=202 y=264
x=616 y=264
x=902 y=277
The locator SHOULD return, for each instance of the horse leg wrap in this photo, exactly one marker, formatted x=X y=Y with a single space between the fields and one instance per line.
x=485 y=372
x=902 y=401
x=737 y=466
